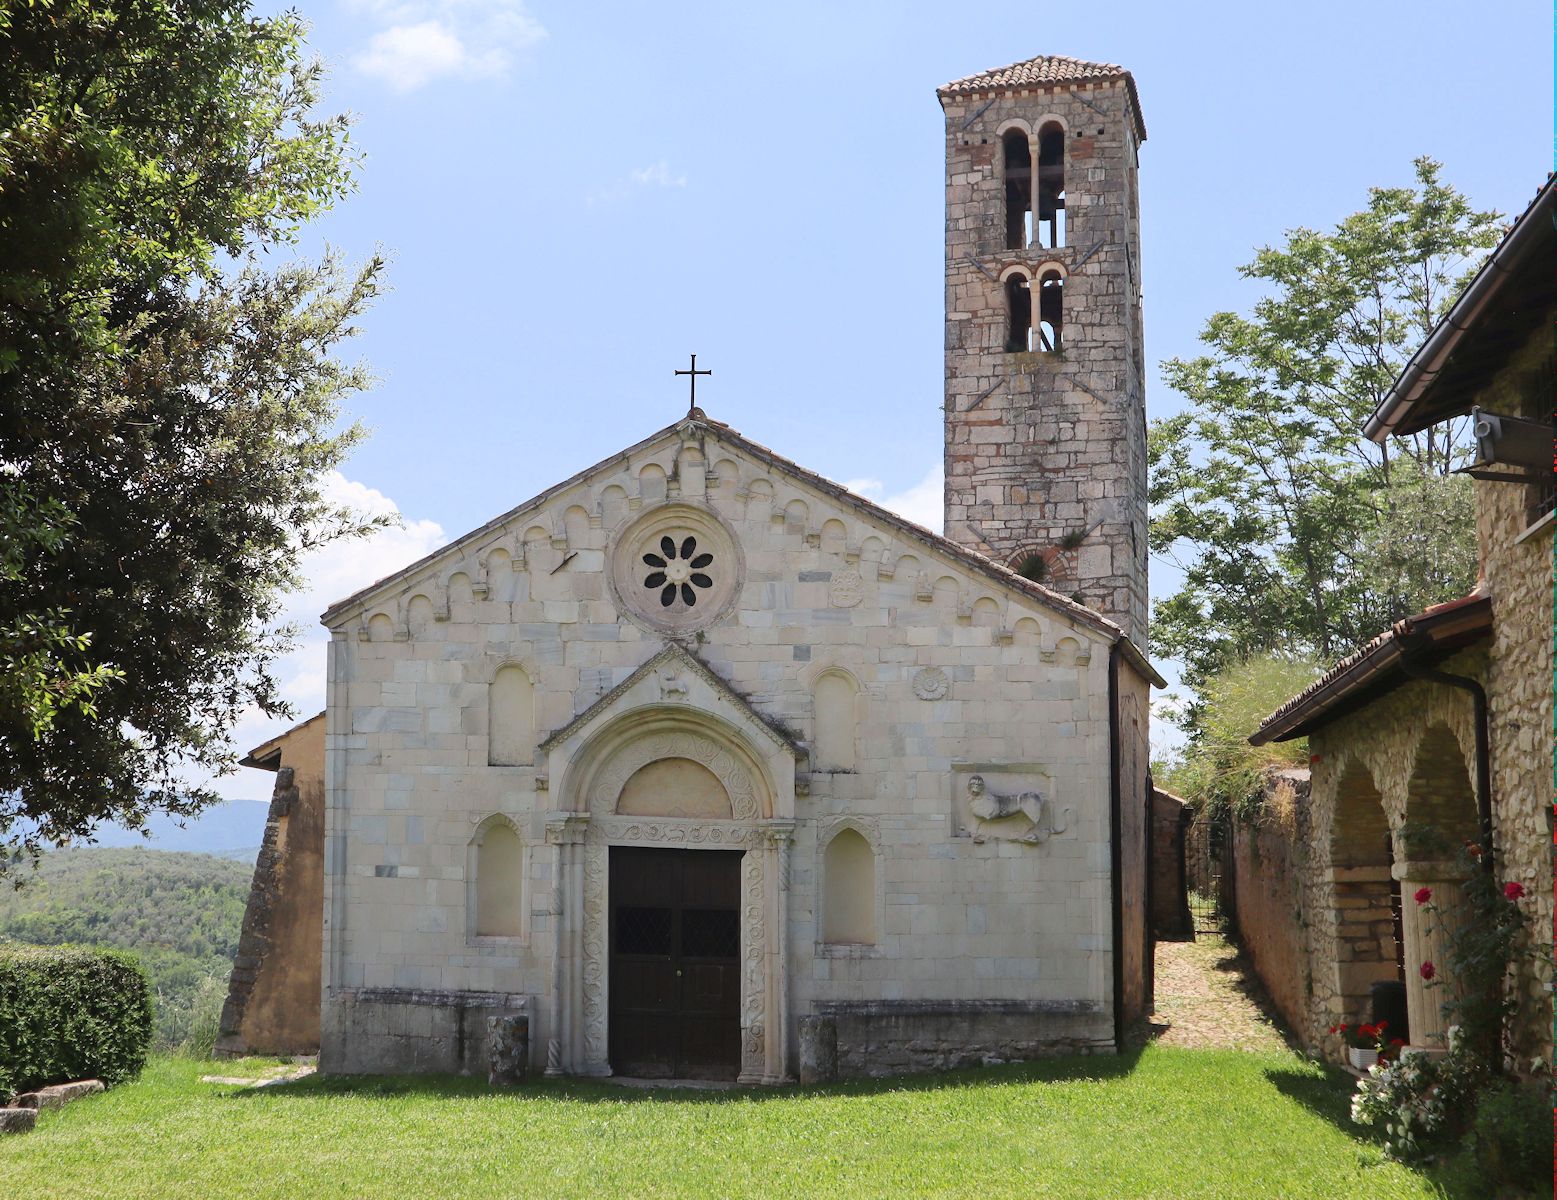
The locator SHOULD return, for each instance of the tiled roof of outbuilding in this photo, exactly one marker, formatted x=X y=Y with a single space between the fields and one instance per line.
x=1043 y=70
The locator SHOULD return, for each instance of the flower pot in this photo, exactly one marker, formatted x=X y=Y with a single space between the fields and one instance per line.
x=1362 y=1057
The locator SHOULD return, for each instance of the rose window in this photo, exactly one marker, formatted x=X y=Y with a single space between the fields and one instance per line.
x=678 y=570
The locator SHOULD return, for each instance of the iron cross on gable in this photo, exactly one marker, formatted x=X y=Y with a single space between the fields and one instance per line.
x=694 y=373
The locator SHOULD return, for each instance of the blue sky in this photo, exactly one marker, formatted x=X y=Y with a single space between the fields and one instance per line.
x=577 y=196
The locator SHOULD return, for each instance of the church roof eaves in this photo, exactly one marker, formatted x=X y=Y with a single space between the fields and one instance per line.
x=1044 y=71
x=998 y=572
x=496 y=523
x=673 y=650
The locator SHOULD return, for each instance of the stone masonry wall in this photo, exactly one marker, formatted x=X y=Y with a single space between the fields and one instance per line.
x=1043 y=449
x=1316 y=901
x=1267 y=862
x=1170 y=909
x=1517 y=569
x=273 y=995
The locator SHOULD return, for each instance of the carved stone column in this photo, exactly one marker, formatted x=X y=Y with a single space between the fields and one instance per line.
x=754 y=997
x=1427 y=940
x=594 y=982
x=565 y=832
x=777 y=836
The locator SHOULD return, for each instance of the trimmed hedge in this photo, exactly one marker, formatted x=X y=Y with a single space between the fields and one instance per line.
x=71 y=1014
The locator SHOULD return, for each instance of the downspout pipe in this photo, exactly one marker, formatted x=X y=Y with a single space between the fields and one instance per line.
x=1115 y=850
x=1411 y=666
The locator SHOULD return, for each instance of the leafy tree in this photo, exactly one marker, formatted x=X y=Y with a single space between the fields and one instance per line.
x=168 y=401
x=1293 y=531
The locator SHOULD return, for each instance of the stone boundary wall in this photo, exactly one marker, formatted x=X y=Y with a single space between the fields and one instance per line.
x=1170 y=919
x=1264 y=865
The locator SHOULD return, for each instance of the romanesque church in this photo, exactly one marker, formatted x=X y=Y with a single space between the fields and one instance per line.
x=707 y=768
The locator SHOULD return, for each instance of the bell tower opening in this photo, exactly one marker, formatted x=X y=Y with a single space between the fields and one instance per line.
x=1045 y=409
x=1018 y=164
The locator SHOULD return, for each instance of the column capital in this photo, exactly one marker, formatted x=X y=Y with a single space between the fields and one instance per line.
x=566 y=829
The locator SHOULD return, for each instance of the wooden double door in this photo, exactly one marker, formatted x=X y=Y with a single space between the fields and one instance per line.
x=675 y=963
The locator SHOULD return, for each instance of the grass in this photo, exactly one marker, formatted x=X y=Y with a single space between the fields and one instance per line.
x=1164 y=1123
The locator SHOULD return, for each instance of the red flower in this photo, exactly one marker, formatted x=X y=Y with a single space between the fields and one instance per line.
x=1423 y=895
x=1428 y=970
x=1381 y=1027
x=1397 y=1041
x=1513 y=891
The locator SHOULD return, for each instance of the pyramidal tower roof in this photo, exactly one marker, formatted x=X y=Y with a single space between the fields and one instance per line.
x=1044 y=71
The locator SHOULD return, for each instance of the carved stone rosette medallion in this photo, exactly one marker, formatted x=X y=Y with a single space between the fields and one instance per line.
x=931 y=684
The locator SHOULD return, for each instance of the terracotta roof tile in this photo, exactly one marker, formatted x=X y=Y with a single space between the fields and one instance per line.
x=1043 y=70
x=1046 y=68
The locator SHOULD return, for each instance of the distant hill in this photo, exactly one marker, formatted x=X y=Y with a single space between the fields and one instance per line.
x=233 y=830
x=181 y=914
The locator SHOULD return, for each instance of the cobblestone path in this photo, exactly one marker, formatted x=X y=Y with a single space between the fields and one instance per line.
x=1209 y=996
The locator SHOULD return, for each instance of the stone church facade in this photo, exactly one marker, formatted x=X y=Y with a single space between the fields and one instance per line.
x=709 y=768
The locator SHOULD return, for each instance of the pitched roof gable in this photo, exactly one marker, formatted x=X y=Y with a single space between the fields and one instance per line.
x=681 y=656
x=971 y=559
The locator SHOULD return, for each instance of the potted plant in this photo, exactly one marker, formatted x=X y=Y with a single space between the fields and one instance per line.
x=1363 y=1042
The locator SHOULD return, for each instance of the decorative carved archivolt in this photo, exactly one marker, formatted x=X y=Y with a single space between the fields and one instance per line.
x=614 y=830
x=607 y=786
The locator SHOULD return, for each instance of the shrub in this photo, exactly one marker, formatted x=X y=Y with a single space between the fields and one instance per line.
x=189 y=1024
x=1511 y=1135
x=68 y=1013
x=1219 y=770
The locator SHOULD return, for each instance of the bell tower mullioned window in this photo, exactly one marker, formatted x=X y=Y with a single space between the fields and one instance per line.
x=1045 y=399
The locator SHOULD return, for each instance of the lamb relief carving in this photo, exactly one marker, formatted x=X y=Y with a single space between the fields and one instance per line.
x=1033 y=817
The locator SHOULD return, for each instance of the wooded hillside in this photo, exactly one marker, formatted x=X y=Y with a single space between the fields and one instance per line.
x=180 y=913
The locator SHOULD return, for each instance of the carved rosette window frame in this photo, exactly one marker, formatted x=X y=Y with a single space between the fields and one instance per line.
x=676 y=568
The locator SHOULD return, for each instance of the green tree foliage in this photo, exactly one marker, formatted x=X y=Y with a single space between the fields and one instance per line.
x=180 y=913
x=1293 y=531
x=168 y=399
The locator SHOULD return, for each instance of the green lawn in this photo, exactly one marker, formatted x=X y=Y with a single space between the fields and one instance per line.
x=1169 y=1123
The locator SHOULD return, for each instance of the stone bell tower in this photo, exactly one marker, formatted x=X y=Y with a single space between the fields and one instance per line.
x=1045 y=403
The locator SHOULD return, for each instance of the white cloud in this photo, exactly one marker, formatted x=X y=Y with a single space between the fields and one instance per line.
x=427 y=39
x=655 y=175
x=923 y=503
x=331 y=573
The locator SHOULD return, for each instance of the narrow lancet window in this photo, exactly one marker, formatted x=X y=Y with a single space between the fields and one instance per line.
x=1051 y=187
x=1019 y=189
x=1051 y=312
x=1019 y=307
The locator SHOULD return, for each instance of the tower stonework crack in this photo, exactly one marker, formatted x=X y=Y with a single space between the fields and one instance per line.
x=1045 y=373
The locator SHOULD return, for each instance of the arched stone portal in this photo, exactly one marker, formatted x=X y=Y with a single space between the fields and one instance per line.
x=1364 y=899
x=599 y=767
x=1440 y=820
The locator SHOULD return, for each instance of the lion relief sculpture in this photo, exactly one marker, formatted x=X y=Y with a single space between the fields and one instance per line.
x=991 y=808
